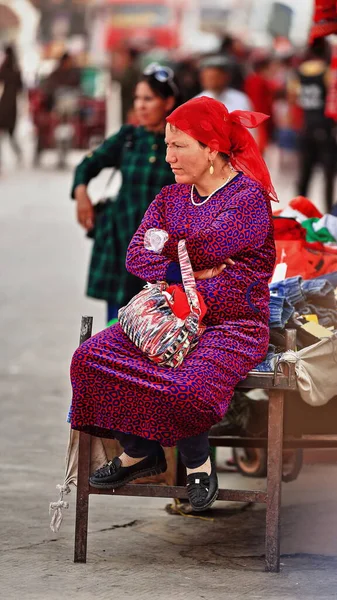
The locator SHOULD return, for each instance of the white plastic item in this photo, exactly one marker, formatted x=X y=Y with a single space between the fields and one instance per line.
x=280 y=272
x=155 y=239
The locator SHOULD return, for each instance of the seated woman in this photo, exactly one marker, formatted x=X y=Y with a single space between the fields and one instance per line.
x=220 y=206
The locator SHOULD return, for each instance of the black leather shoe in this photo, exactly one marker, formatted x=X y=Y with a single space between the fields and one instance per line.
x=113 y=475
x=202 y=489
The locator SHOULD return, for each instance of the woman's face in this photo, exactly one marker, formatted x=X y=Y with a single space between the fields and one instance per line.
x=151 y=110
x=188 y=160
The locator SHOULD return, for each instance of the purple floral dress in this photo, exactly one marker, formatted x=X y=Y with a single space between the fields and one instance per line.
x=116 y=387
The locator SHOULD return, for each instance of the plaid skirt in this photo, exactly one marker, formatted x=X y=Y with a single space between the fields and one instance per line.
x=108 y=278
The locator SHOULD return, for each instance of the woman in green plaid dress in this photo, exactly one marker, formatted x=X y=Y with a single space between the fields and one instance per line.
x=139 y=152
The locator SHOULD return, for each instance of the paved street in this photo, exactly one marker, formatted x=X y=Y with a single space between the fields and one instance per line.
x=135 y=550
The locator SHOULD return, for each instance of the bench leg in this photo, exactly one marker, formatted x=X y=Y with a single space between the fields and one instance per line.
x=82 y=499
x=274 y=479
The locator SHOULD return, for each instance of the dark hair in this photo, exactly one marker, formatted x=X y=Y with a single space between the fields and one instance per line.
x=320 y=48
x=261 y=64
x=163 y=89
x=225 y=157
x=227 y=43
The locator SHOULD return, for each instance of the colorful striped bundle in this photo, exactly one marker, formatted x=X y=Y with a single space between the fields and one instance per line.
x=152 y=326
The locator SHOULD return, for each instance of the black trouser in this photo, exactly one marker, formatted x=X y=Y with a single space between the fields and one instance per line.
x=194 y=451
x=318 y=146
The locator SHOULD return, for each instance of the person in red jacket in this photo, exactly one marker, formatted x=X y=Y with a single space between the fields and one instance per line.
x=260 y=91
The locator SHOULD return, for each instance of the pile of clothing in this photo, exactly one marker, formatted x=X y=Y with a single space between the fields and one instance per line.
x=309 y=307
x=306 y=239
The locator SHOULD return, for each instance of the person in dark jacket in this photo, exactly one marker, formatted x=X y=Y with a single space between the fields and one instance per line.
x=317 y=141
x=10 y=87
x=63 y=82
x=65 y=75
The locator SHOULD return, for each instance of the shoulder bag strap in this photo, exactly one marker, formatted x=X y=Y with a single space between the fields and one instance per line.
x=188 y=276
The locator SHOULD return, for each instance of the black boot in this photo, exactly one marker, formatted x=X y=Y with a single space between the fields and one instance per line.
x=113 y=475
x=202 y=489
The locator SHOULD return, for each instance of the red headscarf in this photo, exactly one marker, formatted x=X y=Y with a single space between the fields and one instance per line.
x=209 y=122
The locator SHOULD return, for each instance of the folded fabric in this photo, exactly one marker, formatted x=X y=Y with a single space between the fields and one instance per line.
x=331 y=277
x=177 y=299
x=305 y=206
x=288 y=229
x=291 y=213
x=330 y=223
x=321 y=234
x=327 y=317
x=315 y=296
x=330 y=247
x=319 y=292
x=304 y=258
x=280 y=311
x=291 y=289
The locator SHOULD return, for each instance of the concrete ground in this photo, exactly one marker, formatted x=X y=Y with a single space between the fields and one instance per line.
x=136 y=550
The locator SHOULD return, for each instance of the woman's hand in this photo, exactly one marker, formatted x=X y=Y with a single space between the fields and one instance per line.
x=85 y=211
x=214 y=271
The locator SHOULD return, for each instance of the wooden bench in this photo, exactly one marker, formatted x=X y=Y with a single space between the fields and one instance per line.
x=277 y=384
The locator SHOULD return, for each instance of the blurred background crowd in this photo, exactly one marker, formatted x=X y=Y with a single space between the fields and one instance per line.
x=69 y=69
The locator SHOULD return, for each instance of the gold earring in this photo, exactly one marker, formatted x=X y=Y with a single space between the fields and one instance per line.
x=211 y=169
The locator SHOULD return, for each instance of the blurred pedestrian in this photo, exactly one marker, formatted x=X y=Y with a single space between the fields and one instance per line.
x=139 y=153
x=10 y=87
x=127 y=72
x=237 y=52
x=260 y=92
x=187 y=74
x=215 y=78
x=317 y=139
x=60 y=94
x=65 y=75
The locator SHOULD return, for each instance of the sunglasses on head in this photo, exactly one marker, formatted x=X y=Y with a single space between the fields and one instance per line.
x=163 y=75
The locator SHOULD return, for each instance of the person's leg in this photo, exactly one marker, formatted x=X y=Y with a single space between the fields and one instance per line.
x=195 y=453
x=141 y=458
x=328 y=160
x=307 y=161
x=202 y=481
x=135 y=447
